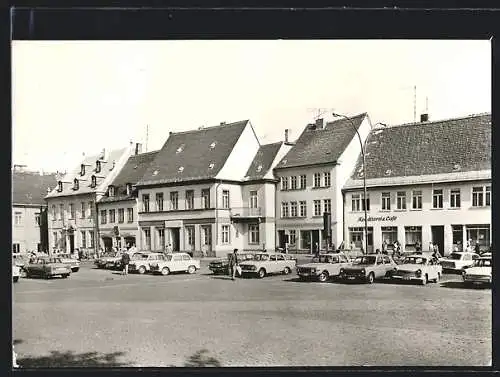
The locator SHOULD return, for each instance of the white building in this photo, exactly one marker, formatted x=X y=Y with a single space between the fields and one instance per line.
x=427 y=182
x=311 y=176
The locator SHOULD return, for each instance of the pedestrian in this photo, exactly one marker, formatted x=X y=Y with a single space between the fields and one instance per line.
x=384 y=247
x=431 y=247
x=436 y=251
x=333 y=247
x=377 y=251
x=169 y=249
x=477 y=249
x=316 y=249
x=455 y=247
x=352 y=245
x=233 y=263
x=125 y=261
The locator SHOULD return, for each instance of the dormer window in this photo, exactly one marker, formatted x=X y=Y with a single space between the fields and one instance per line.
x=111 y=190
x=181 y=169
x=112 y=166
x=82 y=170
x=76 y=184
x=181 y=148
x=211 y=166
x=98 y=166
x=59 y=186
x=212 y=146
x=129 y=188
x=259 y=168
x=93 y=181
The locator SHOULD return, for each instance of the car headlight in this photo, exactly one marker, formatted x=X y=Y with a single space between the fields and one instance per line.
x=418 y=273
x=313 y=270
x=253 y=268
x=363 y=271
x=341 y=270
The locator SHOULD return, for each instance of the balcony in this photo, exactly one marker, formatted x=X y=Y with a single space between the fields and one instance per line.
x=245 y=213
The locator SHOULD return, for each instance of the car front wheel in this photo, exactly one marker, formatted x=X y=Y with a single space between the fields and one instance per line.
x=191 y=269
x=371 y=278
x=141 y=270
x=15 y=278
x=287 y=270
x=261 y=273
x=165 y=271
x=323 y=276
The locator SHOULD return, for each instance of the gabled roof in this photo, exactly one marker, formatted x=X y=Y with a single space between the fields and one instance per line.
x=193 y=155
x=263 y=160
x=452 y=146
x=132 y=172
x=321 y=146
x=90 y=170
x=31 y=187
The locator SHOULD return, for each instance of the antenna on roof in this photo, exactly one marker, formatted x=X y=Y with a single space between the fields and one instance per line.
x=427 y=105
x=147 y=132
x=319 y=112
x=414 y=103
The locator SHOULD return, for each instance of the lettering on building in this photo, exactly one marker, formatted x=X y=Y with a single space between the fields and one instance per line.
x=378 y=218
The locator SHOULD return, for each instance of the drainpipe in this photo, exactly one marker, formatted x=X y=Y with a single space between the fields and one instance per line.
x=217 y=214
x=97 y=235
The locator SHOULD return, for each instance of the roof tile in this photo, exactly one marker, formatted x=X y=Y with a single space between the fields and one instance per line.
x=31 y=187
x=263 y=160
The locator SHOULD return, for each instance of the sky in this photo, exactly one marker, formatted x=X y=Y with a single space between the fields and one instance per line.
x=75 y=97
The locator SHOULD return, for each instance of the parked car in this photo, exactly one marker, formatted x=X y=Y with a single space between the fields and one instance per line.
x=458 y=260
x=419 y=267
x=140 y=263
x=221 y=265
x=117 y=264
x=369 y=268
x=324 y=267
x=268 y=263
x=107 y=260
x=16 y=273
x=177 y=262
x=480 y=272
x=73 y=263
x=47 y=267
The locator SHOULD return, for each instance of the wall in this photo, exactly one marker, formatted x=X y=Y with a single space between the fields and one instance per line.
x=27 y=233
x=126 y=227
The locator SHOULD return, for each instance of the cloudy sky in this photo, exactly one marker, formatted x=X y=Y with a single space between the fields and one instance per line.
x=72 y=97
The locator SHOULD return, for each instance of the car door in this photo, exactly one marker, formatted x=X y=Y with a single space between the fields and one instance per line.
x=280 y=263
x=273 y=264
x=187 y=261
x=334 y=265
x=379 y=268
x=177 y=263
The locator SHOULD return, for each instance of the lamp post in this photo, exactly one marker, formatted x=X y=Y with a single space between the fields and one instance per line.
x=364 y=176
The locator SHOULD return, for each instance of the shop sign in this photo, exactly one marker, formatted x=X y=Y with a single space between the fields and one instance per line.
x=378 y=218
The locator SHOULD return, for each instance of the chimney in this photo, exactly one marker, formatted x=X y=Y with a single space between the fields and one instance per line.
x=48 y=190
x=319 y=124
x=286 y=135
x=424 y=117
x=222 y=123
x=138 y=148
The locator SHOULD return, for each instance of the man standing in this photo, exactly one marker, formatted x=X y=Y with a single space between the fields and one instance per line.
x=233 y=263
x=125 y=262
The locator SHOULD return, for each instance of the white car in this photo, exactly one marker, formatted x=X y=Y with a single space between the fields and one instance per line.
x=480 y=272
x=268 y=263
x=141 y=261
x=177 y=262
x=16 y=272
x=457 y=260
x=420 y=268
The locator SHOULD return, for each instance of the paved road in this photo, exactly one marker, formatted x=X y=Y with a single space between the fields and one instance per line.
x=100 y=318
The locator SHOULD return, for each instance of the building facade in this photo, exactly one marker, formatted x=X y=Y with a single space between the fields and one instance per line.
x=427 y=182
x=29 y=211
x=311 y=176
x=72 y=216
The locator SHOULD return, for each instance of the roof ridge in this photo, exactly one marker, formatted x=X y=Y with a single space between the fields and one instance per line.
x=478 y=115
x=145 y=153
x=339 y=119
x=275 y=143
x=211 y=127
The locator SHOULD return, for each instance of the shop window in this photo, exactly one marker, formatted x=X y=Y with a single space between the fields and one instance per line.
x=437 y=198
x=479 y=233
x=386 y=201
x=356 y=236
x=413 y=234
x=161 y=239
x=416 y=201
x=457 y=232
x=190 y=235
x=455 y=198
x=390 y=235
x=305 y=239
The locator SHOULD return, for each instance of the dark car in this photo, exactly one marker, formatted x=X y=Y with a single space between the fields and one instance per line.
x=221 y=265
x=47 y=267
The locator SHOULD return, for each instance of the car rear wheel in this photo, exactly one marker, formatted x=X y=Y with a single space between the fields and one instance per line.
x=75 y=269
x=141 y=270
x=371 y=278
x=165 y=271
x=191 y=269
x=287 y=270
x=261 y=273
x=323 y=276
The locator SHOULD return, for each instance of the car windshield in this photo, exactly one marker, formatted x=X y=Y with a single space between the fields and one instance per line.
x=323 y=259
x=137 y=256
x=455 y=256
x=168 y=257
x=414 y=260
x=261 y=257
x=108 y=255
x=367 y=259
x=482 y=263
x=52 y=260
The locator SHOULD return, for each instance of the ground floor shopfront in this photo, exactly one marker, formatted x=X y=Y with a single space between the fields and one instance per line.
x=304 y=236
x=72 y=239
x=118 y=237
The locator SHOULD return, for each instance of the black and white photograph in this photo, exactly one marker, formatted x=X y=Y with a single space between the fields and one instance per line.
x=251 y=203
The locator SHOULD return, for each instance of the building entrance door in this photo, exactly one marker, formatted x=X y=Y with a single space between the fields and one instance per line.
x=71 y=243
x=175 y=239
x=314 y=239
x=206 y=240
x=281 y=239
x=438 y=237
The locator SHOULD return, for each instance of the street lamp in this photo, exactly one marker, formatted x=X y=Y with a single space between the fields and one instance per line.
x=364 y=175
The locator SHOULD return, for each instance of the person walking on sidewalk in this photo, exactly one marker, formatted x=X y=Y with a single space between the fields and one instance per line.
x=233 y=263
x=125 y=262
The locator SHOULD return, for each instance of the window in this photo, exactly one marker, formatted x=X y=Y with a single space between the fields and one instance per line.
x=253 y=199
x=145 y=202
x=293 y=209
x=327 y=179
x=386 y=201
x=412 y=235
x=284 y=209
x=457 y=231
x=83 y=239
x=401 y=200
x=303 y=181
x=54 y=235
x=293 y=237
x=91 y=238
x=305 y=239
x=121 y=215
x=112 y=218
x=104 y=215
x=317 y=208
x=161 y=238
x=327 y=205
x=93 y=181
x=366 y=202
x=37 y=219
x=293 y=182
x=189 y=199
x=303 y=208
x=225 y=234
x=253 y=234
x=76 y=184
x=130 y=215
x=159 y=201
x=61 y=211
x=317 y=180
x=437 y=198
x=455 y=198
x=284 y=183
x=72 y=213
x=355 y=202
x=91 y=210
x=16 y=248
x=488 y=195
x=479 y=233
x=82 y=169
x=17 y=218
x=205 y=198
x=390 y=235
x=225 y=198
x=83 y=210
x=479 y=194
x=98 y=166
x=190 y=235
x=416 y=199
x=174 y=200
x=147 y=238
x=54 y=212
